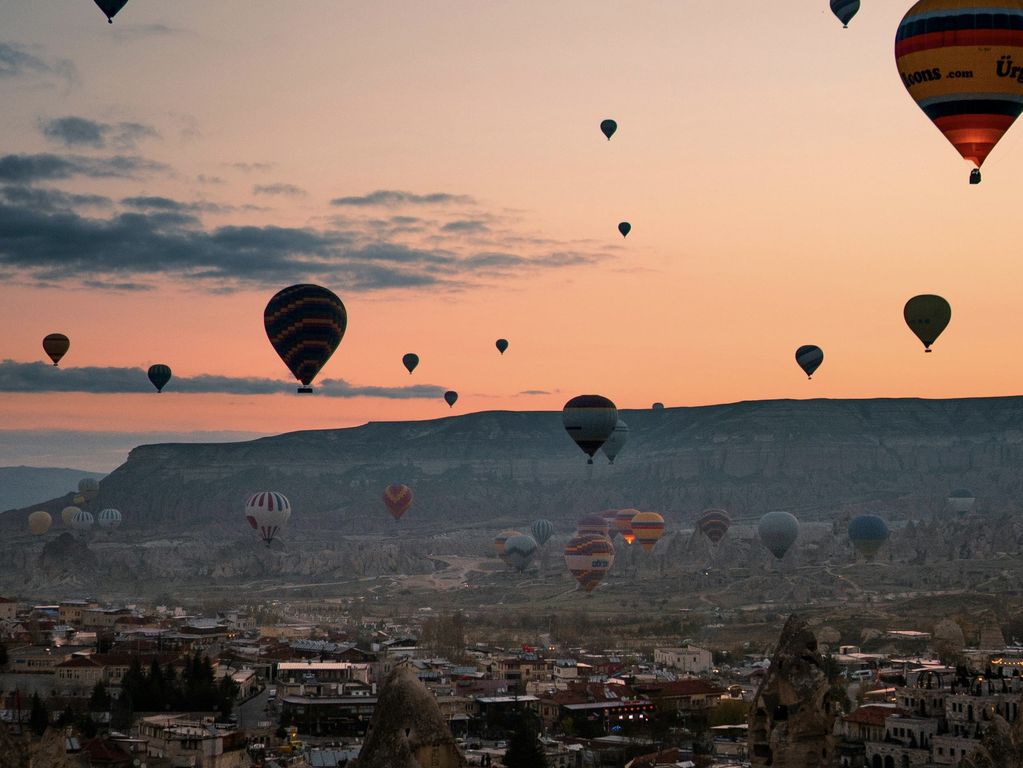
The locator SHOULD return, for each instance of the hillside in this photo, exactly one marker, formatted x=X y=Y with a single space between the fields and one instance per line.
x=23 y=486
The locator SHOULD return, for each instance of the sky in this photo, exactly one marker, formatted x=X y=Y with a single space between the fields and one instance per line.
x=440 y=167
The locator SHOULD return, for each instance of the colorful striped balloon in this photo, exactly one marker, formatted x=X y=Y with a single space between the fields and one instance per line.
x=595 y=524
x=267 y=512
x=845 y=10
x=305 y=323
x=714 y=524
x=623 y=522
x=589 y=557
x=648 y=527
x=542 y=531
x=109 y=518
x=397 y=498
x=962 y=62
x=501 y=540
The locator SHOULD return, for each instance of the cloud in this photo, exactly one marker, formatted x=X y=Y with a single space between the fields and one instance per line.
x=158 y=203
x=466 y=227
x=390 y=198
x=42 y=199
x=127 y=32
x=27 y=169
x=202 y=178
x=251 y=167
x=285 y=190
x=41 y=377
x=16 y=62
x=535 y=392
x=74 y=131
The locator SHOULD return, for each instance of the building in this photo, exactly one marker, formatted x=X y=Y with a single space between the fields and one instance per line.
x=328 y=715
x=188 y=740
x=689 y=659
x=8 y=609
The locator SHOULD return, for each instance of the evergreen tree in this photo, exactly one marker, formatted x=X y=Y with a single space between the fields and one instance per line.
x=86 y=726
x=524 y=751
x=67 y=717
x=99 y=701
x=3 y=655
x=39 y=718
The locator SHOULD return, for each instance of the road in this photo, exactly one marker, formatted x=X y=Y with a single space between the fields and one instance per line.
x=253 y=711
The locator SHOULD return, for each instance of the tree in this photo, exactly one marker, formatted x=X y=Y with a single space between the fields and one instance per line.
x=99 y=701
x=39 y=718
x=524 y=751
x=3 y=655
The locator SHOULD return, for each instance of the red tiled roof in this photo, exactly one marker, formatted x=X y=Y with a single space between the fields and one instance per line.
x=693 y=687
x=872 y=715
x=102 y=753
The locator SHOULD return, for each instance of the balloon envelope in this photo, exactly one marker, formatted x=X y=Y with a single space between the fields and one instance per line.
x=56 y=346
x=845 y=10
x=305 y=323
x=159 y=375
x=658 y=406
x=623 y=523
x=648 y=527
x=39 y=522
x=111 y=7
x=809 y=357
x=397 y=499
x=67 y=515
x=501 y=540
x=778 y=531
x=542 y=531
x=608 y=128
x=82 y=520
x=502 y=345
x=714 y=524
x=267 y=512
x=451 y=397
x=589 y=557
x=927 y=316
x=410 y=361
x=956 y=59
x=519 y=551
x=625 y=228
x=589 y=421
x=614 y=444
x=868 y=533
x=88 y=487
x=108 y=518
x=594 y=524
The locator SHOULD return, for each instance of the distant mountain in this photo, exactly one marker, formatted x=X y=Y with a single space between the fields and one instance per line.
x=24 y=486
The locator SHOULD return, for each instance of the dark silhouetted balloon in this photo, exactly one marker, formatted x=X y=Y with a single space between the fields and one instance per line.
x=958 y=61
x=927 y=316
x=502 y=345
x=589 y=421
x=305 y=323
x=451 y=397
x=410 y=361
x=608 y=128
x=625 y=228
x=809 y=358
x=542 y=531
x=614 y=444
x=714 y=524
x=845 y=10
x=778 y=531
x=159 y=375
x=657 y=406
x=589 y=557
x=56 y=346
x=111 y=7
x=397 y=499
x=868 y=533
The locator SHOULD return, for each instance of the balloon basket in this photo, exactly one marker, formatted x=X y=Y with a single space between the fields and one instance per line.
x=305 y=390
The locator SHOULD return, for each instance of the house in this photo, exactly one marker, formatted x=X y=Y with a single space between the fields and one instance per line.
x=688 y=659
x=8 y=609
x=187 y=740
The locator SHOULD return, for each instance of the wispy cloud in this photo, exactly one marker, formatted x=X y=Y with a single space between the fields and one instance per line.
x=392 y=198
x=72 y=131
x=17 y=61
x=41 y=377
x=42 y=199
x=28 y=169
x=466 y=227
x=159 y=203
x=284 y=190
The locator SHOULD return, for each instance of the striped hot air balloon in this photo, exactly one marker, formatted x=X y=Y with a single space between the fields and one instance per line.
x=56 y=346
x=397 y=498
x=589 y=421
x=82 y=520
x=648 y=527
x=623 y=523
x=108 y=518
x=305 y=324
x=589 y=557
x=542 y=531
x=809 y=357
x=267 y=512
x=714 y=524
x=501 y=540
x=595 y=524
x=961 y=61
x=845 y=10
x=519 y=551
x=159 y=375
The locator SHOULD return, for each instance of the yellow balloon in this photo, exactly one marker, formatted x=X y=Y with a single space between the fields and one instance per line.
x=39 y=522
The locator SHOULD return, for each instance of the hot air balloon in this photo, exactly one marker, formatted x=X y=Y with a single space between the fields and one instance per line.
x=589 y=557
x=397 y=498
x=108 y=518
x=501 y=540
x=845 y=10
x=39 y=522
x=451 y=397
x=267 y=512
x=778 y=530
x=657 y=407
x=714 y=524
x=410 y=361
x=519 y=551
x=608 y=128
x=88 y=487
x=809 y=358
x=110 y=8
x=542 y=531
x=623 y=523
x=927 y=316
x=159 y=375
x=56 y=346
x=594 y=524
x=960 y=63
x=868 y=533
x=648 y=527
x=67 y=515
x=589 y=421
x=625 y=228
x=961 y=501
x=305 y=323
x=78 y=500
x=502 y=345
x=615 y=443
x=82 y=520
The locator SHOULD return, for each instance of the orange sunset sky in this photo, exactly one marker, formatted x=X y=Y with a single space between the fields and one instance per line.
x=782 y=186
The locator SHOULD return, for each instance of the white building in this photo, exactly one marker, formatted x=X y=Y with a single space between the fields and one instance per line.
x=689 y=659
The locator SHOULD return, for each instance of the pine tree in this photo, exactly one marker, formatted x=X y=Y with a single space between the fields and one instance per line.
x=39 y=718
x=524 y=751
x=99 y=701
